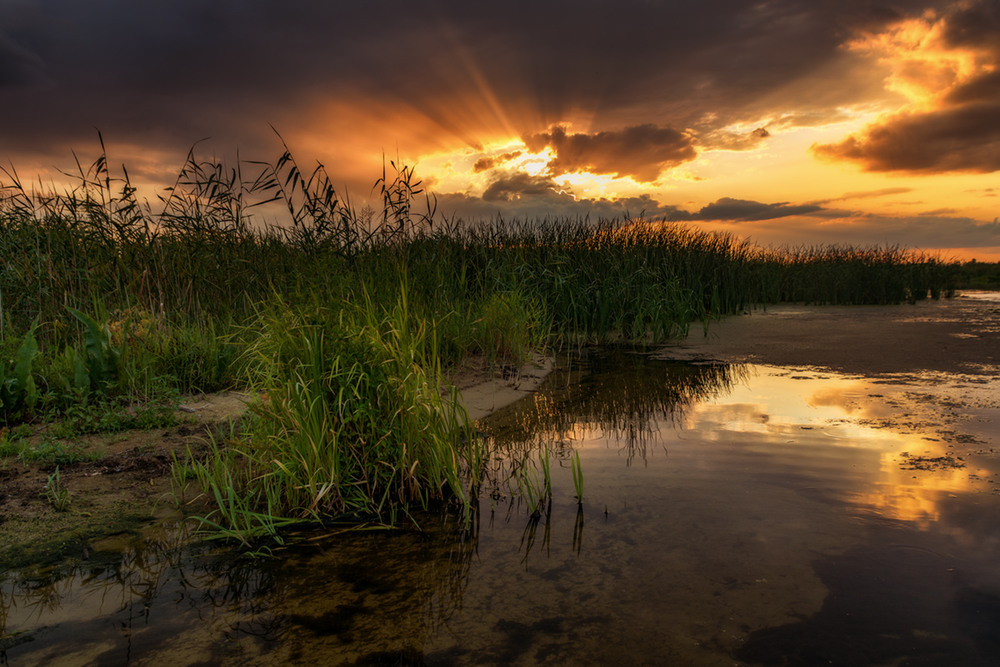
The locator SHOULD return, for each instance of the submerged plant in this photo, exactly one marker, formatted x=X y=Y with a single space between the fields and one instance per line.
x=535 y=489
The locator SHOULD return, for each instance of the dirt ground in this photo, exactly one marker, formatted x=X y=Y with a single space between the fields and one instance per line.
x=127 y=484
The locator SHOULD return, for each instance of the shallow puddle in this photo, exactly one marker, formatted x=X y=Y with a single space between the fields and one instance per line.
x=731 y=514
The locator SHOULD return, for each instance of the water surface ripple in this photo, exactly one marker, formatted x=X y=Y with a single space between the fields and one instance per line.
x=731 y=514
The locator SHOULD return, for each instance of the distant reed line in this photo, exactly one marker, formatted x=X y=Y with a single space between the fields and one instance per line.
x=200 y=252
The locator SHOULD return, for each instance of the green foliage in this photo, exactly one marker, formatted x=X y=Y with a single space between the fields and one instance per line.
x=113 y=415
x=508 y=328
x=18 y=393
x=56 y=493
x=975 y=275
x=52 y=450
x=535 y=490
x=102 y=360
x=577 y=476
x=12 y=440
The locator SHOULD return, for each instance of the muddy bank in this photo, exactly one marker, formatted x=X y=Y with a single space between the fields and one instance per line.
x=107 y=483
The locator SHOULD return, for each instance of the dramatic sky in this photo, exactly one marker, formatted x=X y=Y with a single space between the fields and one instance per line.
x=788 y=121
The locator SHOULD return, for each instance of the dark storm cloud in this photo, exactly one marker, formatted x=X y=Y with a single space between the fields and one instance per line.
x=18 y=66
x=962 y=133
x=766 y=223
x=526 y=195
x=641 y=151
x=162 y=74
x=975 y=24
x=962 y=139
x=921 y=231
x=553 y=204
x=981 y=89
x=731 y=209
x=508 y=187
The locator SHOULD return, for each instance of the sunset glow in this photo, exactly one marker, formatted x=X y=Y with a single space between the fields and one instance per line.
x=791 y=122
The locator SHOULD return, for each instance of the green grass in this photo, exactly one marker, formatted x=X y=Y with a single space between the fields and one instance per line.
x=347 y=320
x=57 y=494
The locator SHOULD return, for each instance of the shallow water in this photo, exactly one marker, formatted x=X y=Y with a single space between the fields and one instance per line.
x=731 y=514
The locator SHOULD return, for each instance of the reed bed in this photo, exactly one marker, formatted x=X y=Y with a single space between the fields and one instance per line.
x=263 y=275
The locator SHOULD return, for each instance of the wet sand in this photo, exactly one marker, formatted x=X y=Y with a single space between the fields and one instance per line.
x=960 y=335
x=482 y=391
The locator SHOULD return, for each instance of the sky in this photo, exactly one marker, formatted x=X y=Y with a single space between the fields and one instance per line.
x=789 y=122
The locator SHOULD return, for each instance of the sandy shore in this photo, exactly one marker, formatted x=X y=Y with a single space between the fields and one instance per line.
x=484 y=392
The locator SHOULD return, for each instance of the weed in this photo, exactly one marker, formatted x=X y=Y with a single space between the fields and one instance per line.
x=18 y=392
x=56 y=493
x=535 y=490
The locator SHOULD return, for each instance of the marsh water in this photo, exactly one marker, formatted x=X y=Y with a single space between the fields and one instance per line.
x=731 y=514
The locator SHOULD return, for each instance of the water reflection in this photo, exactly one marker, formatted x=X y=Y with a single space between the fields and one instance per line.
x=900 y=474
x=621 y=394
x=730 y=514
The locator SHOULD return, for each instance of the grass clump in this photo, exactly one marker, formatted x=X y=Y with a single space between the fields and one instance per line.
x=354 y=425
x=56 y=493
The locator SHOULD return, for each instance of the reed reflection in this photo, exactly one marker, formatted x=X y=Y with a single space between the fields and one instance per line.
x=616 y=396
x=620 y=391
x=619 y=394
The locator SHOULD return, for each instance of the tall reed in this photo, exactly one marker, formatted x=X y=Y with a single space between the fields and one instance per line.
x=355 y=424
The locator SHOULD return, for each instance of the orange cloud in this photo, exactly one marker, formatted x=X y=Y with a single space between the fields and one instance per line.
x=963 y=139
x=947 y=67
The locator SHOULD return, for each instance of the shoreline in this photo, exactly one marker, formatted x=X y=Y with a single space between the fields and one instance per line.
x=484 y=393
x=130 y=485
